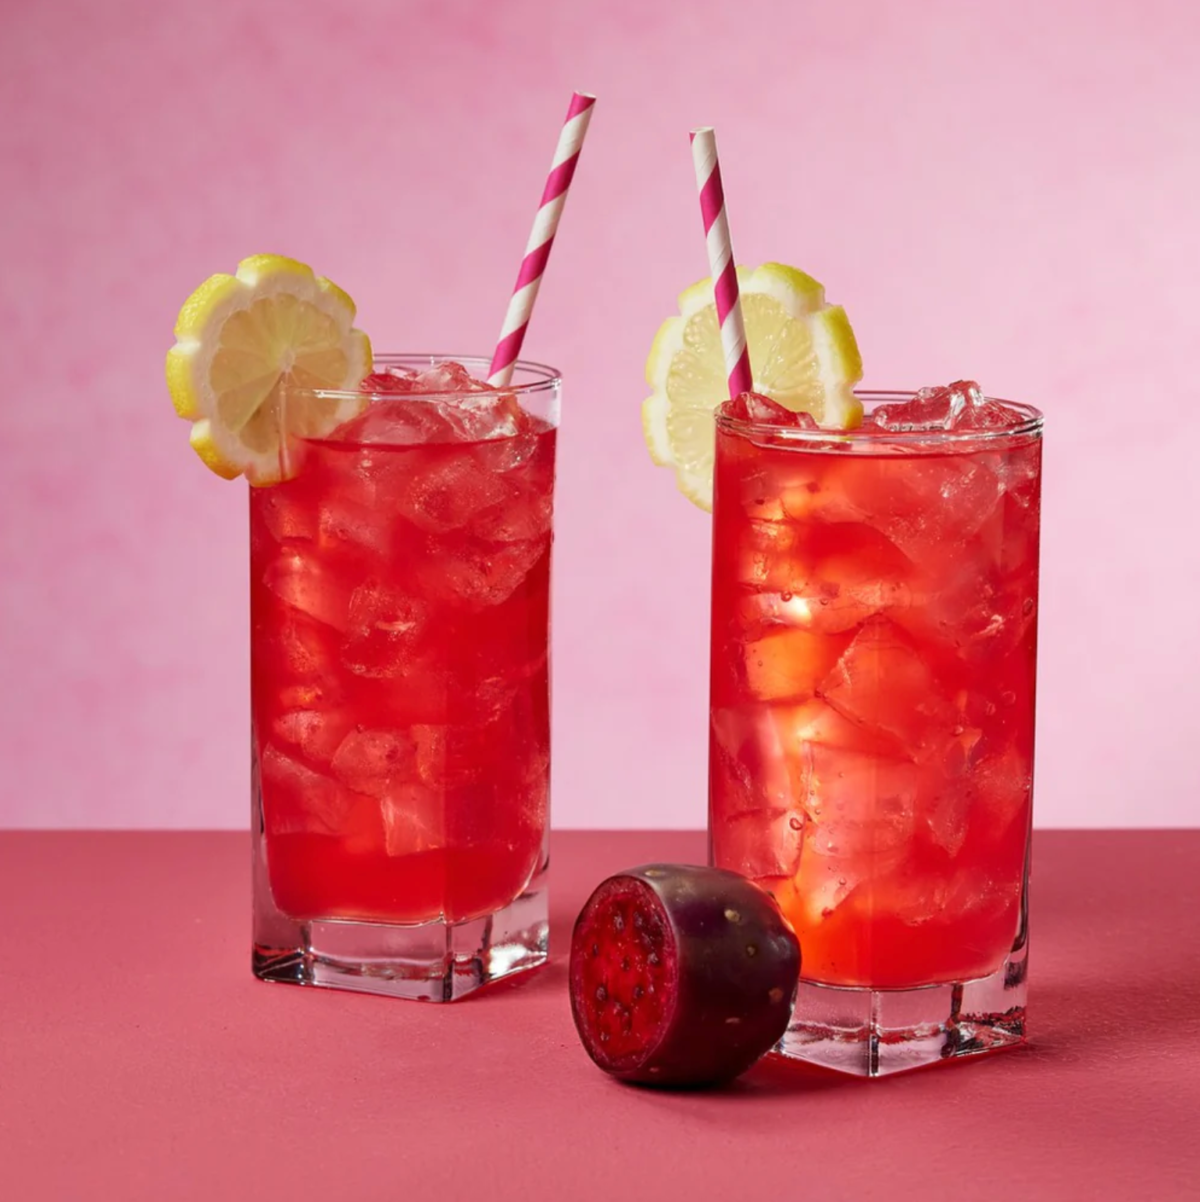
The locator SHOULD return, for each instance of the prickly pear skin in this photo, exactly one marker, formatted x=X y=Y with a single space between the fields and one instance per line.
x=728 y=961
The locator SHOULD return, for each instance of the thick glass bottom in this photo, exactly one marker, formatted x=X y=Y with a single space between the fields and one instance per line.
x=876 y=1032
x=431 y=962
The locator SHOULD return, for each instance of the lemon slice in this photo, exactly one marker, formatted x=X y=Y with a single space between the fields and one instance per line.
x=802 y=351
x=249 y=350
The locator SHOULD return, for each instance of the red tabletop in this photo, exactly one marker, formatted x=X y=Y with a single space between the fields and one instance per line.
x=140 y=1060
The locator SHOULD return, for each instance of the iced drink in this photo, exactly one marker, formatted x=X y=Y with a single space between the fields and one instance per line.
x=874 y=631
x=399 y=586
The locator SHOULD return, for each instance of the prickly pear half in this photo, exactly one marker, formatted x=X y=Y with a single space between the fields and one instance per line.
x=681 y=975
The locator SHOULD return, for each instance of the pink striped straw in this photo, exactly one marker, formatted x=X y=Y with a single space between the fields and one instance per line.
x=541 y=238
x=720 y=261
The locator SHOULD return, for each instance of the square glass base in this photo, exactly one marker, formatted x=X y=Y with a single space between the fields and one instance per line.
x=433 y=962
x=872 y=1033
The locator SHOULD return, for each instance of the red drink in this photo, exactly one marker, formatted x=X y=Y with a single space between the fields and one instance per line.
x=873 y=657
x=400 y=608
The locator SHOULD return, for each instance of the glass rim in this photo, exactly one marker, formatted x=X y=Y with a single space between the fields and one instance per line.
x=1031 y=424
x=545 y=378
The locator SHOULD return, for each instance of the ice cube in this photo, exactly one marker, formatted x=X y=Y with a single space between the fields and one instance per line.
x=998 y=791
x=882 y=683
x=913 y=898
x=791 y=663
x=375 y=761
x=819 y=501
x=1006 y=544
x=412 y=819
x=440 y=759
x=800 y=490
x=443 y=492
x=448 y=377
x=953 y=501
x=952 y=896
x=753 y=769
x=392 y=380
x=316 y=733
x=944 y=809
x=760 y=495
x=763 y=556
x=296 y=646
x=284 y=515
x=960 y=407
x=412 y=421
x=760 y=843
x=830 y=578
x=481 y=574
x=1020 y=470
x=816 y=721
x=823 y=884
x=754 y=407
x=526 y=513
x=950 y=501
x=861 y=806
x=491 y=416
x=305 y=582
x=970 y=609
x=501 y=748
x=927 y=506
x=503 y=455
x=322 y=691
x=376 y=606
x=429 y=742
x=342 y=520
x=296 y=799
x=930 y=409
x=385 y=630
x=982 y=413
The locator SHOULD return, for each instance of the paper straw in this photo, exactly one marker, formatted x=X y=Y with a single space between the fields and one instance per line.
x=541 y=238
x=720 y=261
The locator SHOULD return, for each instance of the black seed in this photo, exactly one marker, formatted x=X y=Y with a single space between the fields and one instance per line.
x=751 y=950
x=601 y=993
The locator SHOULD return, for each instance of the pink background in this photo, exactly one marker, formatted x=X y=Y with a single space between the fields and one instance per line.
x=1002 y=190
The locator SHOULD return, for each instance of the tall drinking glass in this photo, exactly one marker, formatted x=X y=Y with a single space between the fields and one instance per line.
x=874 y=630
x=399 y=609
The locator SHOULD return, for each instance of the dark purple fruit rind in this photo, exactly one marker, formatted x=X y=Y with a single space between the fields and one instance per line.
x=737 y=966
